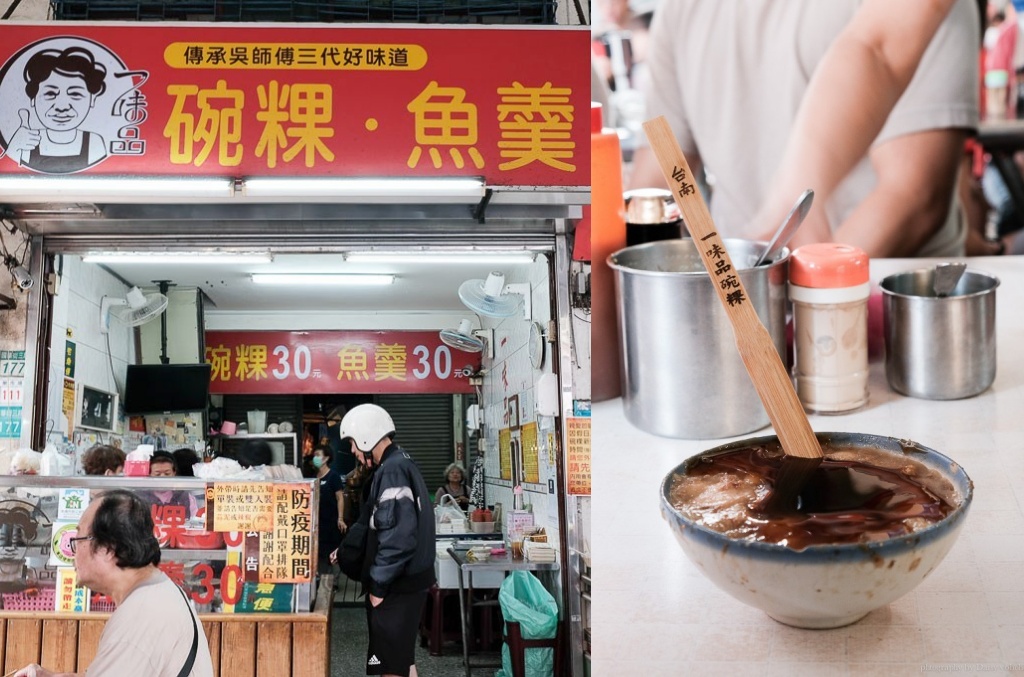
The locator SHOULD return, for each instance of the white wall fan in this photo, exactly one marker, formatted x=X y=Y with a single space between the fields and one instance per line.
x=493 y=298
x=469 y=340
x=134 y=310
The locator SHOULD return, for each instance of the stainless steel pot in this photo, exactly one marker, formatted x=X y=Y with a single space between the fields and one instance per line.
x=682 y=374
x=939 y=348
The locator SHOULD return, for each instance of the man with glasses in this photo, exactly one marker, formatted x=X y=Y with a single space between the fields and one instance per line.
x=155 y=630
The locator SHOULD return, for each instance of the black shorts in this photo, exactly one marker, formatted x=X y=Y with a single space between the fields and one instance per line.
x=393 y=626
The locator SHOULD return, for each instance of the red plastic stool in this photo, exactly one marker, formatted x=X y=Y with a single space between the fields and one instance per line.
x=433 y=633
x=517 y=647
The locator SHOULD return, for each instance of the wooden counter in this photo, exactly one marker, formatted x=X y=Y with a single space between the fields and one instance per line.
x=241 y=645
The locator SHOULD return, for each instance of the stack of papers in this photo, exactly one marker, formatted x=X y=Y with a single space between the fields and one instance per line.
x=538 y=552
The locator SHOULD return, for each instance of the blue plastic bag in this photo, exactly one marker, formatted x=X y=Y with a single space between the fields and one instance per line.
x=524 y=600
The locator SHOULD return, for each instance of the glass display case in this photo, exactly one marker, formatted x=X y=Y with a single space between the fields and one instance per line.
x=234 y=546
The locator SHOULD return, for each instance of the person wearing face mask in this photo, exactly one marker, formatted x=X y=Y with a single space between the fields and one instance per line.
x=332 y=497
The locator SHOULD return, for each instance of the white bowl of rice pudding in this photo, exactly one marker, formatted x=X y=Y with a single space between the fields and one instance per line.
x=879 y=516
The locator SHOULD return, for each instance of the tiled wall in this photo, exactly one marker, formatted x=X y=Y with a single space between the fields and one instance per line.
x=76 y=319
x=511 y=374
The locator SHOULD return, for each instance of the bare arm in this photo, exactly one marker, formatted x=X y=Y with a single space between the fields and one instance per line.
x=37 y=671
x=340 y=496
x=851 y=93
x=916 y=181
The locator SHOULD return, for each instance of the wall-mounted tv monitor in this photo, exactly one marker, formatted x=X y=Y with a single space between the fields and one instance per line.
x=163 y=388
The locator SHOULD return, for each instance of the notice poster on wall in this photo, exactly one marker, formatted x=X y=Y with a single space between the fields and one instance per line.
x=71 y=597
x=67 y=402
x=578 y=455
x=531 y=453
x=12 y=363
x=505 y=453
x=285 y=549
x=242 y=506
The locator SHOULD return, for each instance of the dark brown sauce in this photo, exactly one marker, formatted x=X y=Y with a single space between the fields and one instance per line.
x=843 y=502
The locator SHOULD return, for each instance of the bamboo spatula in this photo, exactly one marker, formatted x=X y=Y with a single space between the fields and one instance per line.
x=802 y=452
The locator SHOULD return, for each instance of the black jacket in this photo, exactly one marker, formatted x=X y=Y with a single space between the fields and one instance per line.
x=400 y=546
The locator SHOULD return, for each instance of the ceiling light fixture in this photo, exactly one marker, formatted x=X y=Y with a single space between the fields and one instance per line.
x=96 y=188
x=307 y=279
x=488 y=258
x=341 y=188
x=183 y=258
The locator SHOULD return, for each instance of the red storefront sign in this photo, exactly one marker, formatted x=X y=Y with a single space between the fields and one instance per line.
x=506 y=104
x=309 y=362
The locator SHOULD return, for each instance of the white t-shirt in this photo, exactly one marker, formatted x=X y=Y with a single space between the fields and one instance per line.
x=151 y=634
x=729 y=76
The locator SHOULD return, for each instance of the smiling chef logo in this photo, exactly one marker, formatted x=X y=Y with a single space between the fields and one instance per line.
x=66 y=104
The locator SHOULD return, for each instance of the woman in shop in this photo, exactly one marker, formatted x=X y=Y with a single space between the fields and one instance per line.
x=332 y=508
x=185 y=458
x=454 y=486
x=103 y=459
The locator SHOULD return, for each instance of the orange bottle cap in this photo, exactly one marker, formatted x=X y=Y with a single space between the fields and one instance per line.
x=828 y=265
x=596 y=118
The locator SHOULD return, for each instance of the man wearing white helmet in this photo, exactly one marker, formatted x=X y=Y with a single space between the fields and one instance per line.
x=399 y=565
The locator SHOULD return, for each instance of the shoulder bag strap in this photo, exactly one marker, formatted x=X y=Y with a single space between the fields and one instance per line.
x=187 y=668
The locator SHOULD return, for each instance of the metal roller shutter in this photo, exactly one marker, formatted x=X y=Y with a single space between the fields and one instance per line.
x=424 y=425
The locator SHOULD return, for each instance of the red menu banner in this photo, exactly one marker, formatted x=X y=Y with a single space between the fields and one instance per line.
x=508 y=104
x=309 y=362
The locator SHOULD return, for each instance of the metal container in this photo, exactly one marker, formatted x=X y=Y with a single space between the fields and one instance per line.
x=682 y=374
x=939 y=348
x=651 y=215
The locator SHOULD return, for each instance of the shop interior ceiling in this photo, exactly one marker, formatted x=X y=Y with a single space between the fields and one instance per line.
x=305 y=238
x=419 y=285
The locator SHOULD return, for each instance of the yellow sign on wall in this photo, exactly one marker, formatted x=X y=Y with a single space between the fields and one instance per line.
x=531 y=453
x=505 y=453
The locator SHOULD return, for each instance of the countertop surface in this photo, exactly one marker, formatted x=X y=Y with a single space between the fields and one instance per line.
x=654 y=613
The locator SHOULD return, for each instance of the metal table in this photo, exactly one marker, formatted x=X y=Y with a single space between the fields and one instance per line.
x=466 y=603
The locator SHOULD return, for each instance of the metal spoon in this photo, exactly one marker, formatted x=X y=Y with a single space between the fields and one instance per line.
x=788 y=228
x=946 y=276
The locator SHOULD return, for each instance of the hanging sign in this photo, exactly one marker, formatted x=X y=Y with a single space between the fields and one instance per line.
x=508 y=104
x=242 y=506
x=309 y=362
x=578 y=455
x=285 y=548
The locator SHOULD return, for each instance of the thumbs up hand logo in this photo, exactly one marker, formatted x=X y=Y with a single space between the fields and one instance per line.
x=25 y=139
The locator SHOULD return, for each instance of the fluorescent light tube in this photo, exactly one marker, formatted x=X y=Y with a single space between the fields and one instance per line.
x=356 y=187
x=53 y=188
x=490 y=258
x=183 y=258
x=323 y=279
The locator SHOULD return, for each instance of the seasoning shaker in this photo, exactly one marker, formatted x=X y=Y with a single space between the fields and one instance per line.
x=829 y=288
x=651 y=214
